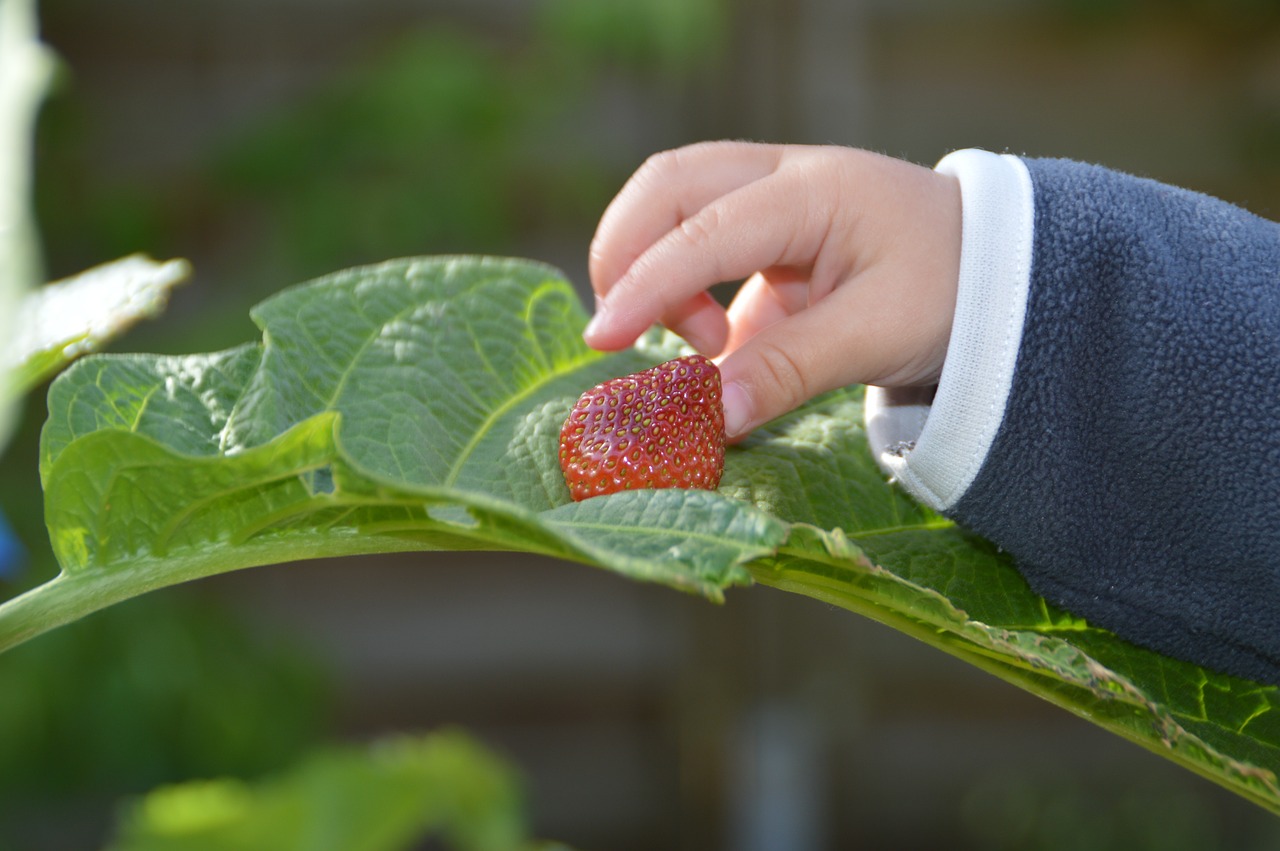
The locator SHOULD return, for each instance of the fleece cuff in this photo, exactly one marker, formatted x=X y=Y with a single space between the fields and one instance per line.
x=933 y=441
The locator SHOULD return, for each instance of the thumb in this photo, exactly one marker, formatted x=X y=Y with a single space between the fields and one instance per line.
x=839 y=340
x=772 y=373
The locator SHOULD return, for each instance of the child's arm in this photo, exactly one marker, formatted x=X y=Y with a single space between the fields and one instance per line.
x=1133 y=470
x=1109 y=406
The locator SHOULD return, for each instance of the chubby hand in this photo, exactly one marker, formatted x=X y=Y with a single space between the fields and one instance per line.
x=850 y=258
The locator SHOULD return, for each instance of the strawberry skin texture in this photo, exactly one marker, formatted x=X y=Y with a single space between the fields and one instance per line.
x=658 y=428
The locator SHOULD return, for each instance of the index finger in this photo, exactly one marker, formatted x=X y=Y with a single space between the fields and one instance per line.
x=665 y=191
x=781 y=219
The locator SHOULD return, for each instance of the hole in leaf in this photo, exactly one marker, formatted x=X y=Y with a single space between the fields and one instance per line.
x=321 y=480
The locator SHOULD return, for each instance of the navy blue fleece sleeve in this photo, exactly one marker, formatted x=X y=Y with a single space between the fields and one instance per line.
x=1135 y=477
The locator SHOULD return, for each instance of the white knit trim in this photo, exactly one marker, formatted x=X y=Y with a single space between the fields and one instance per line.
x=935 y=450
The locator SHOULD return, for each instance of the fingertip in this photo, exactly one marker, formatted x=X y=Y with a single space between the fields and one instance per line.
x=602 y=338
x=599 y=331
x=610 y=330
x=593 y=334
x=737 y=410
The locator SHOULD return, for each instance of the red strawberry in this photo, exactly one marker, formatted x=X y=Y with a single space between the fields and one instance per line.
x=659 y=428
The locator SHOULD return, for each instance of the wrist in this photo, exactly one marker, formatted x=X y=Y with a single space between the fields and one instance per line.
x=934 y=441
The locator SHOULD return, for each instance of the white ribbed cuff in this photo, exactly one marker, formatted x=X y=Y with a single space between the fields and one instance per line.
x=935 y=447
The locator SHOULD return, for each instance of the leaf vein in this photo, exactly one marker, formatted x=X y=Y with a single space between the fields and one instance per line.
x=498 y=412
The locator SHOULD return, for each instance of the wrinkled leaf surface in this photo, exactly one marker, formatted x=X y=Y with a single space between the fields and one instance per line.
x=416 y=406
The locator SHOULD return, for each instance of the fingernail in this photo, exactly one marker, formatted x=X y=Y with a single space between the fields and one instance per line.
x=597 y=321
x=737 y=409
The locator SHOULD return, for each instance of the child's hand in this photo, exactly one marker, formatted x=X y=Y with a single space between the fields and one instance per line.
x=851 y=261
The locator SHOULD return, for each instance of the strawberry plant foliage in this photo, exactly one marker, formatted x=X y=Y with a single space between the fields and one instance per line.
x=417 y=405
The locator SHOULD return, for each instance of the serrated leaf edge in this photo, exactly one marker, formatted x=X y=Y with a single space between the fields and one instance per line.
x=1007 y=654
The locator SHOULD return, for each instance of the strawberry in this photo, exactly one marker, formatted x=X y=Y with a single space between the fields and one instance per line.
x=658 y=428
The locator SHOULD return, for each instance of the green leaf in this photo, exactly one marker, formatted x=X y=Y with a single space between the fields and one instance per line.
x=899 y=564
x=61 y=321
x=416 y=406
x=410 y=406
x=960 y=595
x=25 y=67
x=383 y=797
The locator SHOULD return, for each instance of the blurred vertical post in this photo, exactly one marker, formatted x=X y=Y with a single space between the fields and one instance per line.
x=777 y=789
x=24 y=71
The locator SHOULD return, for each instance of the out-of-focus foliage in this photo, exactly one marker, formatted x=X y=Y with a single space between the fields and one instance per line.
x=1055 y=811
x=151 y=692
x=65 y=319
x=422 y=146
x=386 y=797
x=672 y=36
x=450 y=142
x=445 y=139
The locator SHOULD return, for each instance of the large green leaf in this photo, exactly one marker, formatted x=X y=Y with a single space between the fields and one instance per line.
x=409 y=406
x=416 y=405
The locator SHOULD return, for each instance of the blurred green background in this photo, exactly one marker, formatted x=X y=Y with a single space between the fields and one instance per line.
x=270 y=141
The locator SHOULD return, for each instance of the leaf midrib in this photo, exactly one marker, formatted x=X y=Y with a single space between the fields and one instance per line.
x=636 y=529
x=465 y=453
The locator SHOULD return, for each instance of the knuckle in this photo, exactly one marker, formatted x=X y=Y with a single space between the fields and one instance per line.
x=661 y=165
x=667 y=165
x=698 y=230
x=784 y=375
